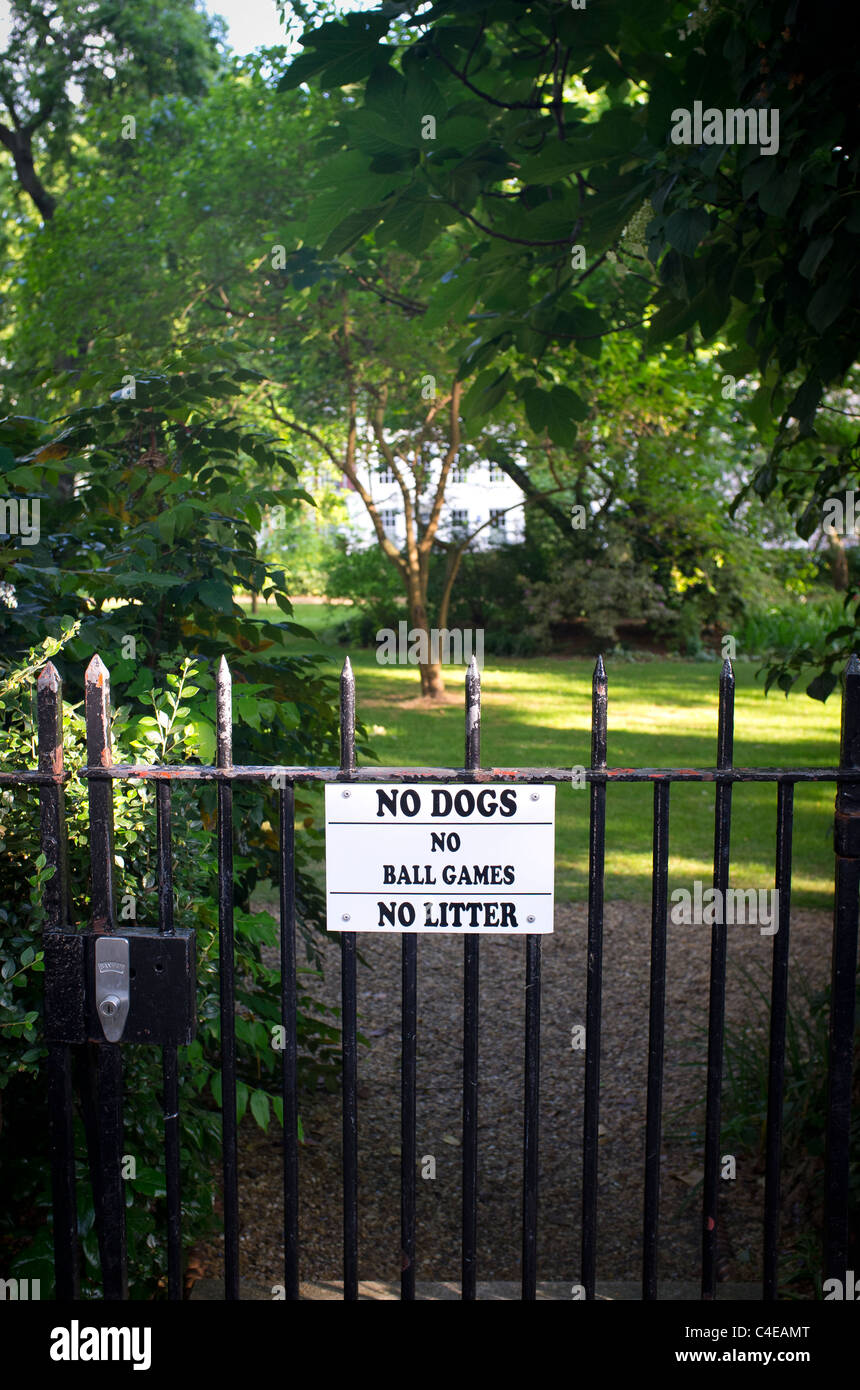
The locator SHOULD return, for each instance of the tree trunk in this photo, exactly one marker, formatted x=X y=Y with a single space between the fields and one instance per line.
x=19 y=143
x=432 y=680
x=838 y=561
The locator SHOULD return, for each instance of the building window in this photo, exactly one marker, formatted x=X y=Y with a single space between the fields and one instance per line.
x=496 y=473
x=460 y=473
x=497 y=521
x=388 y=516
x=386 y=475
x=459 y=519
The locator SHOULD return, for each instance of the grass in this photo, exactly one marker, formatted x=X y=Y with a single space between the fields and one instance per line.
x=537 y=711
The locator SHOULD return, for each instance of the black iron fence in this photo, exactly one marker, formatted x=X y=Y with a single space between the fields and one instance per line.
x=78 y=1012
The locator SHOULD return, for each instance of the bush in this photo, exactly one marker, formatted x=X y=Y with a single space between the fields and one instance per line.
x=152 y=530
x=744 y=1122
x=778 y=630
x=605 y=593
x=371 y=581
x=170 y=734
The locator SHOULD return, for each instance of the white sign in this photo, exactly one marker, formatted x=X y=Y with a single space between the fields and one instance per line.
x=455 y=858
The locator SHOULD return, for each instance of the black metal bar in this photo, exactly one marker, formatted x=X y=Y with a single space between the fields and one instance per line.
x=163 y=793
x=110 y=1189
x=594 y=975
x=54 y=845
x=169 y=1055
x=349 y=1027
x=63 y=1191
x=531 y=1116
x=104 y=1060
x=843 y=986
x=776 y=1063
x=230 y=1159
x=26 y=778
x=656 y=1037
x=717 y=993
x=100 y=796
x=289 y=1084
x=52 y=800
x=471 y=972
x=170 y=1081
x=525 y=775
x=408 y=1152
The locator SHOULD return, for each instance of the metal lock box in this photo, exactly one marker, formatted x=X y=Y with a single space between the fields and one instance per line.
x=133 y=986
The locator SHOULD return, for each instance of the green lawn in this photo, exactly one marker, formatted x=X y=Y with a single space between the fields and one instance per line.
x=536 y=712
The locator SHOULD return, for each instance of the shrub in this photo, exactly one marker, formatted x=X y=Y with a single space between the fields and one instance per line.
x=170 y=734
x=148 y=527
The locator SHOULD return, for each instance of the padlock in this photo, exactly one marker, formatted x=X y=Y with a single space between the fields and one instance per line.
x=112 y=984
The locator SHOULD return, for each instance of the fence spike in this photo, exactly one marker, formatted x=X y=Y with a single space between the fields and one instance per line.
x=224 y=713
x=599 y=712
x=726 y=717
x=100 y=794
x=97 y=673
x=49 y=677
x=473 y=717
x=52 y=809
x=347 y=718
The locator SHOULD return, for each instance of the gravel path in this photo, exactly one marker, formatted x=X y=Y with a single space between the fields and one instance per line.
x=623 y=1080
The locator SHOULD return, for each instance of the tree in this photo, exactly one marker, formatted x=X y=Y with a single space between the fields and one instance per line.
x=147 y=552
x=216 y=226
x=349 y=368
x=57 y=49
x=486 y=120
x=536 y=139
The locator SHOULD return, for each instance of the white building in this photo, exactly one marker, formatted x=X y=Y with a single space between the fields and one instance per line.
x=480 y=498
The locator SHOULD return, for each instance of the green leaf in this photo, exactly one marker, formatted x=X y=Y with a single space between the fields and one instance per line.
x=814 y=255
x=149 y=1182
x=777 y=195
x=486 y=392
x=350 y=230
x=686 y=228
x=413 y=222
x=217 y=594
x=822 y=685
x=260 y=1108
x=828 y=302
x=713 y=310
x=672 y=319
x=555 y=411
x=343 y=52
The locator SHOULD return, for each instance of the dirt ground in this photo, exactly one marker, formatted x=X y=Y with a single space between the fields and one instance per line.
x=622 y=1110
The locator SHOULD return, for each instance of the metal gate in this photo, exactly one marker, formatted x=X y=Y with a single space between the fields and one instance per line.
x=88 y=1003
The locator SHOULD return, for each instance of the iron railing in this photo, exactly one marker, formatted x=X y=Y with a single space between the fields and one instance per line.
x=101 y=1088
